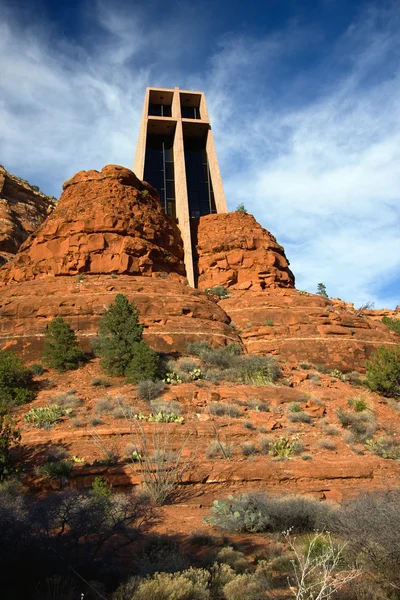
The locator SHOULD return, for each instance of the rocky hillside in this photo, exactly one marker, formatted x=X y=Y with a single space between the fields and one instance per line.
x=109 y=234
x=23 y=208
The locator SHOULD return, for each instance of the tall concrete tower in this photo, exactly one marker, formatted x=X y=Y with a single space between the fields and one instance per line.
x=176 y=155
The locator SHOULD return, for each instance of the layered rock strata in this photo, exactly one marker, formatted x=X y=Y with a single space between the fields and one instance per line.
x=105 y=222
x=23 y=208
x=297 y=326
x=233 y=250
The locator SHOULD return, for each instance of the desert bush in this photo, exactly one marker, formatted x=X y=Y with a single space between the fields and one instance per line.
x=78 y=422
x=331 y=430
x=148 y=389
x=327 y=444
x=241 y=209
x=15 y=382
x=383 y=371
x=266 y=442
x=256 y=370
x=248 y=449
x=45 y=416
x=61 y=350
x=220 y=358
x=104 y=406
x=249 y=425
x=9 y=437
x=36 y=369
x=217 y=290
x=198 y=348
x=219 y=449
x=393 y=324
x=95 y=421
x=66 y=400
x=187 y=585
x=257 y=404
x=299 y=417
x=56 y=470
x=159 y=466
x=370 y=525
x=361 y=425
x=257 y=513
x=221 y=409
x=385 y=447
x=99 y=382
x=358 y=403
x=166 y=407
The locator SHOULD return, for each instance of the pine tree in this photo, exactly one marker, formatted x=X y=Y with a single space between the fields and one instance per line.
x=119 y=333
x=61 y=350
x=321 y=290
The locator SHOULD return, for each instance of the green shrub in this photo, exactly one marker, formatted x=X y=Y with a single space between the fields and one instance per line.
x=9 y=437
x=383 y=371
x=256 y=370
x=268 y=322
x=295 y=407
x=143 y=365
x=358 y=403
x=45 y=415
x=218 y=290
x=36 y=369
x=56 y=470
x=258 y=405
x=149 y=390
x=256 y=513
x=187 y=585
x=393 y=324
x=198 y=348
x=385 y=447
x=15 y=382
x=241 y=209
x=61 y=350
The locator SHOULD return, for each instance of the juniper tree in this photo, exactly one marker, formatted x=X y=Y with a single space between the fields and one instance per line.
x=120 y=342
x=61 y=350
x=15 y=381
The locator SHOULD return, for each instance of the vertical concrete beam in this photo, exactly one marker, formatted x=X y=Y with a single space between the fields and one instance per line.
x=216 y=179
x=138 y=165
x=182 y=201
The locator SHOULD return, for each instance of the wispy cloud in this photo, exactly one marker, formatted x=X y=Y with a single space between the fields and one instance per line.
x=309 y=140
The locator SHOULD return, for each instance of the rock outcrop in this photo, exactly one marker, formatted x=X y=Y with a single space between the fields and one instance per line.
x=106 y=222
x=233 y=250
x=297 y=326
x=23 y=208
x=107 y=235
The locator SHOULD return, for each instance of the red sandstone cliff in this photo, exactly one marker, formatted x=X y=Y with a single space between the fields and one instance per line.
x=22 y=210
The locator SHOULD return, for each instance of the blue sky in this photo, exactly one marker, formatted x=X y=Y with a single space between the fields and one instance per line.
x=303 y=98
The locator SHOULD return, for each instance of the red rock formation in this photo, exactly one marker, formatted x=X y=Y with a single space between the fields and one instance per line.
x=296 y=327
x=108 y=235
x=235 y=251
x=22 y=210
x=106 y=222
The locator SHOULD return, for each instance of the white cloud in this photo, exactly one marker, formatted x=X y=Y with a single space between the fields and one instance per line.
x=313 y=151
